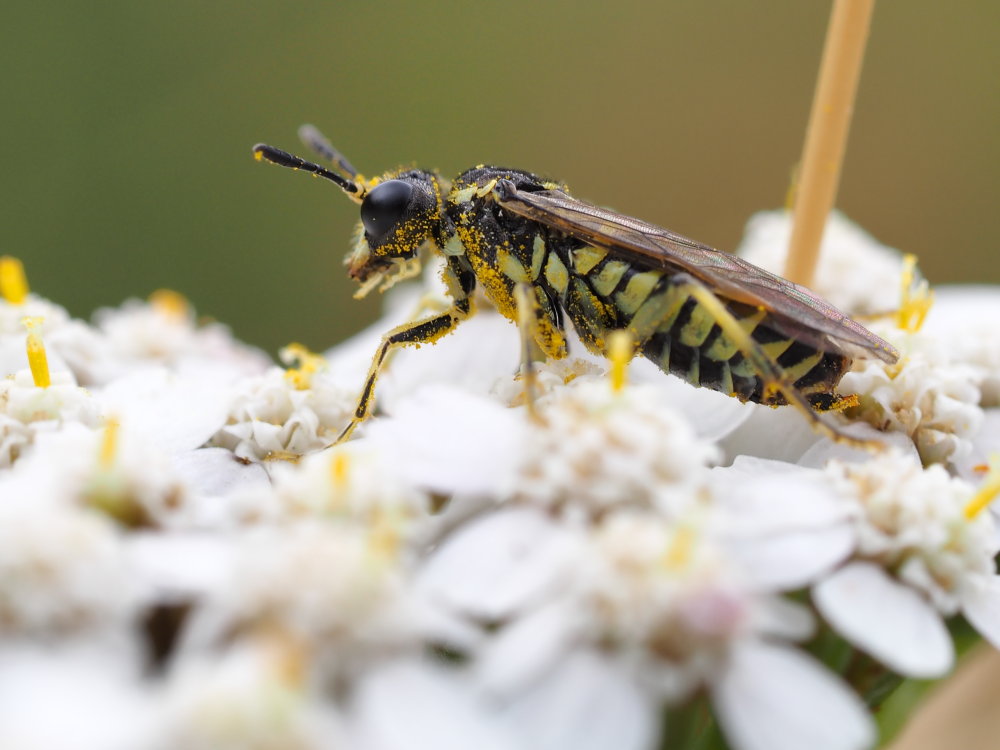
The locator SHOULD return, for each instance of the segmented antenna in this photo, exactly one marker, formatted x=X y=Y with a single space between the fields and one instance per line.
x=285 y=159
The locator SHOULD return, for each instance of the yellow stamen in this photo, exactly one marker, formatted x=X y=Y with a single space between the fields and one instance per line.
x=339 y=469
x=13 y=282
x=917 y=297
x=681 y=548
x=37 y=359
x=170 y=304
x=109 y=443
x=621 y=348
x=384 y=536
x=302 y=365
x=987 y=491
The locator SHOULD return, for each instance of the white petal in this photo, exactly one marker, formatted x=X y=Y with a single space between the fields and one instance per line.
x=179 y=565
x=429 y=434
x=985 y=443
x=784 y=618
x=585 y=703
x=781 y=434
x=890 y=621
x=177 y=413
x=826 y=450
x=412 y=705
x=775 y=698
x=981 y=607
x=526 y=648
x=790 y=560
x=500 y=564
x=216 y=472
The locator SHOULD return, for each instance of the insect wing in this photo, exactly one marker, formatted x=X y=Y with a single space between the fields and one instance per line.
x=796 y=311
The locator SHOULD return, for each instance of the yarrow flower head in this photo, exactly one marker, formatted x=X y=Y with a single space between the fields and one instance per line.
x=598 y=447
x=923 y=551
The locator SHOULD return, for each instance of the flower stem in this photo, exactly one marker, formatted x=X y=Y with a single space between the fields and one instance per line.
x=826 y=136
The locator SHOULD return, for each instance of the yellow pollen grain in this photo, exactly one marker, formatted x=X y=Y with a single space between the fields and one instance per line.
x=987 y=491
x=38 y=361
x=109 y=443
x=302 y=365
x=917 y=297
x=621 y=347
x=13 y=282
x=170 y=304
x=681 y=548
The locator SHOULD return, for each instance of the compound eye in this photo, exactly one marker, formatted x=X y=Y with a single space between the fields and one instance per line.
x=384 y=206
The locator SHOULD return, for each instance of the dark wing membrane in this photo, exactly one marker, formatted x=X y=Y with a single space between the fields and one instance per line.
x=796 y=311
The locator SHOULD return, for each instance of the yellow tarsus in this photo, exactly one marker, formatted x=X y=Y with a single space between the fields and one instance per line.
x=38 y=361
x=109 y=443
x=987 y=491
x=917 y=297
x=621 y=348
x=13 y=282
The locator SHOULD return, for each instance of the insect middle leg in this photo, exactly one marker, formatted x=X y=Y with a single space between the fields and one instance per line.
x=419 y=332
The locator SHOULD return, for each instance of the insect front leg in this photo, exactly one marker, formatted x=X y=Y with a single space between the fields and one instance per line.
x=769 y=371
x=418 y=332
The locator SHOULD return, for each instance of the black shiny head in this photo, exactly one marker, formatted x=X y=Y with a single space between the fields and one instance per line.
x=384 y=207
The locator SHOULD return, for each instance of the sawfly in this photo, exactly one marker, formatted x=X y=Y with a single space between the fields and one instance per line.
x=709 y=317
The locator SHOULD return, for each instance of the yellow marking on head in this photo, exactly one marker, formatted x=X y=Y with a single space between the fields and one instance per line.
x=917 y=297
x=621 y=349
x=987 y=491
x=13 y=282
x=38 y=361
x=170 y=304
x=109 y=443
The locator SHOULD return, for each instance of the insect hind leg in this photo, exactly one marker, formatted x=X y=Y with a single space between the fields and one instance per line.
x=775 y=380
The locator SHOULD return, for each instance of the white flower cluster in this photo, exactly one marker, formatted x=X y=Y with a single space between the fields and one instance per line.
x=187 y=561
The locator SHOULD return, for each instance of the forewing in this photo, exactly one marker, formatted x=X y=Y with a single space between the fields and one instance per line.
x=796 y=311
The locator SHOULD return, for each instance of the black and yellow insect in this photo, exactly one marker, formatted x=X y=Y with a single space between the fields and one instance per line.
x=709 y=317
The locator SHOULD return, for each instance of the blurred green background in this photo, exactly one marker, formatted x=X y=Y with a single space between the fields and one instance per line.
x=127 y=130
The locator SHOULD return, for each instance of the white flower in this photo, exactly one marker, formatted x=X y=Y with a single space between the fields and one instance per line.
x=350 y=481
x=54 y=697
x=277 y=414
x=51 y=316
x=252 y=697
x=339 y=588
x=27 y=410
x=926 y=396
x=62 y=570
x=640 y=611
x=962 y=324
x=164 y=331
x=917 y=558
x=597 y=448
x=856 y=273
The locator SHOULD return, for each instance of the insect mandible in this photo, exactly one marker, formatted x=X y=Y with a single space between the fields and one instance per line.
x=709 y=317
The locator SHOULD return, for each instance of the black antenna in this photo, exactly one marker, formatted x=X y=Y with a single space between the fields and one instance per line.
x=319 y=144
x=285 y=159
